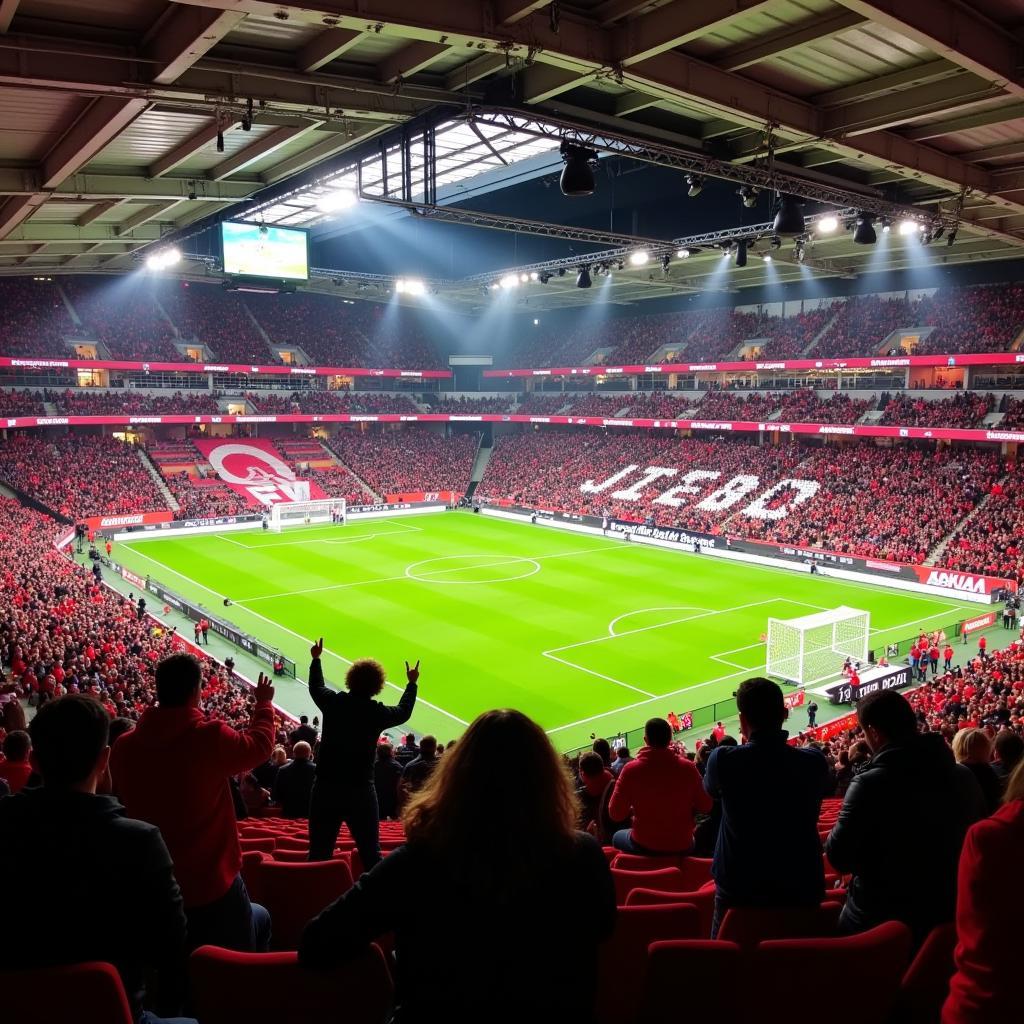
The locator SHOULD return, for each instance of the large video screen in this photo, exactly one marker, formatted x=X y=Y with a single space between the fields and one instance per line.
x=262 y=250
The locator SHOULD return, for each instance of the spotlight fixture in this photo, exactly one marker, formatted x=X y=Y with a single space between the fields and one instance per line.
x=826 y=225
x=410 y=286
x=938 y=232
x=638 y=258
x=337 y=200
x=695 y=185
x=776 y=242
x=577 y=177
x=509 y=281
x=907 y=227
x=886 y=225
x=683 y=254
x=789 y=220
x=163 y=259
x=799 y=250
x=767 y=257
x=583 y=278
x=951 y=237
x=864 y=232
x=524 y=277
x=926 y=237
x=748 y=195
x=665 y=263
x=561 y=271
x=494 y=286
x=535 y=321
x=220 y=142
x=620 y=265
x=534 y=276
x=545 y=277
x=741 y=253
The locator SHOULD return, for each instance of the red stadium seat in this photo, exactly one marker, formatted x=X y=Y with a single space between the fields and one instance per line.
x=89 y=993
x=623 y=965
x=258 y=845
x=696 y=870
x=699 y=974
x=251 y=861
x=747 y=926
x=271 y=988
x=664 y=879
x=295 y=893
x=824 y=969
x=926 y=984
x=703 y=900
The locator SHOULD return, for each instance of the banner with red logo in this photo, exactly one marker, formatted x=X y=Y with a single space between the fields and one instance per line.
x=794 y=700
x=119 y=522
x=256 y=470
x=979 y=622
x=964 y=582
x=835 y=727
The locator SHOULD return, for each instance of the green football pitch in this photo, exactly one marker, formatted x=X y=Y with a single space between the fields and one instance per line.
x=585 y=634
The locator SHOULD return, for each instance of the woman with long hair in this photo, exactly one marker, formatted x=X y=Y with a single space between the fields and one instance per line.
x=497 y=903
x=989 y=909
x=973 y=749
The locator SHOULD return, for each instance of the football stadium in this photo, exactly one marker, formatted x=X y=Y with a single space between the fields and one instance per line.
x=511 y=508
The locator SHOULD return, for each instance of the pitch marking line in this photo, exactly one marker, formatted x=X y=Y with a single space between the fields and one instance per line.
x=406 y=527
x=299 y=636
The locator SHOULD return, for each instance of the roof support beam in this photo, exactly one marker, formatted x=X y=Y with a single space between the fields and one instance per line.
x=774 y=44
x=61 y=233
x=631 y=102
x=8 y=8
x=183 y=35
x=1007 y=150
x=102 y=120
x=908 y=105
x=953 y=31
x=508 y=12
x=409 y=60
x=612 y=11
x=979 y=119
x=541 y=82
x=144 y=216
x=882 y=84
x=677 y=23
x=258 y=150
x=187 y=149
x=331 y=145
x=96 y=211
x=18 y=209
x=327 y=46
x=484 y=65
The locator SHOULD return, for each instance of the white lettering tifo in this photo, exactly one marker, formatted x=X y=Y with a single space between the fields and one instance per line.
x=696 y=481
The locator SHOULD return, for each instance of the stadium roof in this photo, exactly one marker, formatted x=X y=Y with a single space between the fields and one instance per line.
x=111 y=109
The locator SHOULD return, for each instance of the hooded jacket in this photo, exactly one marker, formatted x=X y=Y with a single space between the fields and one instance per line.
x=172 y=770
x=105 y=887
x=899 y=833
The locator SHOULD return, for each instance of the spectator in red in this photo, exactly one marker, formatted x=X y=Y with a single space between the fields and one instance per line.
x=982 y=646
x=15 y=768
x=173 y=770
x=663 y=792
x=947 y=658
x=985 y=986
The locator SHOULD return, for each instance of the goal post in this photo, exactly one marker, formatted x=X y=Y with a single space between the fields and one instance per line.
x=813 y=648
x=285 y=514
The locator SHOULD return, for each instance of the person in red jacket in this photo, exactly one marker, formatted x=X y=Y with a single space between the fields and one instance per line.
x=947 y=657
x=989 y=908
x=663 y=791
x=173 y=770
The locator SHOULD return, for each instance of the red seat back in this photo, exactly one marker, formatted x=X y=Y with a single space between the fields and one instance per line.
x=926 y=984
x=747 y=926
x=696 y=870
x=271 y=988
x=700 y=974
x=703 y=900
x=664 y=879
x=623 y=966
x=89 y=993
x=265 y=845
x=295 y=893
x=873 y=961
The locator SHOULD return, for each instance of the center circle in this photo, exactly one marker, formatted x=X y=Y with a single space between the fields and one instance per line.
x=472 y=569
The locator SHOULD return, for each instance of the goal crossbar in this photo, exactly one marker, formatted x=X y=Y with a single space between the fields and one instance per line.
x=303 y=513
x=811 y=648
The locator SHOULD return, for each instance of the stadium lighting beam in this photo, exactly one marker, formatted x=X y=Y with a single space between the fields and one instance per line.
x=337 y=200
x=827 y=225
x=509 y=281
x=163 y=259
x=410 y=286
x=683 y=254
x=908 y=227
x=639 y=258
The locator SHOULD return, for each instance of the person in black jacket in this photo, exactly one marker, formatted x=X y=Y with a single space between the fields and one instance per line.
x=293 y=786
x=106 y=888
x=386 y=775
x=304 y=732
x=902 y=823
x=480 y=896
x=768 y=853
x=352 y=724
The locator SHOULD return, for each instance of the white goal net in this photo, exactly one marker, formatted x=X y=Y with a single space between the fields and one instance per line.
x=813 y=648
x=283 y=514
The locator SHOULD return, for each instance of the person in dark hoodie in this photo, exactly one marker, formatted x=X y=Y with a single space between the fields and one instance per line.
x=902 y=823
x=594 y=780
x=107 y=890
x=174 y=769
x=294 y=782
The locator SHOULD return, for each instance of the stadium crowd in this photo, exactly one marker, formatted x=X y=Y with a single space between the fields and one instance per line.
x=36 y=321
x=342 y=402
x=965 y=410
x=86 y=402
